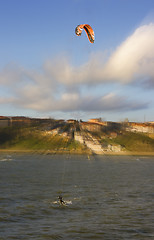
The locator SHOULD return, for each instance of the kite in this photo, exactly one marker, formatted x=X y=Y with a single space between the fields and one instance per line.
x=88 y=29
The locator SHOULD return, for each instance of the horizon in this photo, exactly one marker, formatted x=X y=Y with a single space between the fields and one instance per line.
x=78 y=120
x=48 y=71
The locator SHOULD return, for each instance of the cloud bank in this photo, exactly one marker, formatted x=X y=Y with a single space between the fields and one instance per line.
x=134 y=58
x=58 y=85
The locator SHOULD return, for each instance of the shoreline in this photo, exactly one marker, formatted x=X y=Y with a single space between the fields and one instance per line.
x=53 y=152
x=46 y=152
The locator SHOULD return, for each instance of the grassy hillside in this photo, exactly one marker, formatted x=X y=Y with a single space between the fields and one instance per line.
x=33 y=139
x=135 y=142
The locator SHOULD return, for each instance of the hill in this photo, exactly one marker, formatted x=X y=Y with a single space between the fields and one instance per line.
x=30 y=138
x=72 y=136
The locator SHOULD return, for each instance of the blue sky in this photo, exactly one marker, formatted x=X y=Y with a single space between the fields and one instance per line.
x=48 y=71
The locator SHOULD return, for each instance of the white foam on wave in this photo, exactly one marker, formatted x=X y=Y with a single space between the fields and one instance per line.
x=6 y=159
x=67 y=202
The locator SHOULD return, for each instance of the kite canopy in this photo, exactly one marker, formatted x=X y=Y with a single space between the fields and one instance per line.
x=88 y=29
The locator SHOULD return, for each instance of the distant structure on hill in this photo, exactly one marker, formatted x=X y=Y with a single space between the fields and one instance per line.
x=95 y=120
x=71 y=121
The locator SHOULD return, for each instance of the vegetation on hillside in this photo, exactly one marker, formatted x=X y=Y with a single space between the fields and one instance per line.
x=132 y=141
x=135 y=142
x=34 y=139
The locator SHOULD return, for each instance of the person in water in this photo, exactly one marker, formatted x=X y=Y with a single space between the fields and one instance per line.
x=61 y=200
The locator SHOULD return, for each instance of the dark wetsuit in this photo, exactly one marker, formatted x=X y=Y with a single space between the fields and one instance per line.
x=61 y=200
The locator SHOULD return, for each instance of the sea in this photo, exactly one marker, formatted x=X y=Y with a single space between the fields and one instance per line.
x=106 y=197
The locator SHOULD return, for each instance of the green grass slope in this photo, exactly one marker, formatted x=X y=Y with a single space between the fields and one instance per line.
x=32 y=139
x=135 y=142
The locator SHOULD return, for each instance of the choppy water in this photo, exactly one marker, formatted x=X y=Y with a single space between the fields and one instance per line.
x=112 y=197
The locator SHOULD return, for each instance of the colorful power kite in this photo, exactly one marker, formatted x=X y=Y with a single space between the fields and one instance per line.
x=88 y=29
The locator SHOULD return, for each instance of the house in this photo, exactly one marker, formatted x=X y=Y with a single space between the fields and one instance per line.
x=95 y=120
x=98 y=121
x=71 y=121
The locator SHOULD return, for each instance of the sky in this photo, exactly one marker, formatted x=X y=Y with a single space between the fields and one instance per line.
x=46 y=70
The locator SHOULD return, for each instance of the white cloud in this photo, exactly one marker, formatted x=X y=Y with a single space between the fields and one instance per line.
x=134 y=58
x=77 y=102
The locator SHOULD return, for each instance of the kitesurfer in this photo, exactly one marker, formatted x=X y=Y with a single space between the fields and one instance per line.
x=61 y=200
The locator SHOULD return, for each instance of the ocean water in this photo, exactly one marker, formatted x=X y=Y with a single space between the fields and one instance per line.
x=107 y=197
